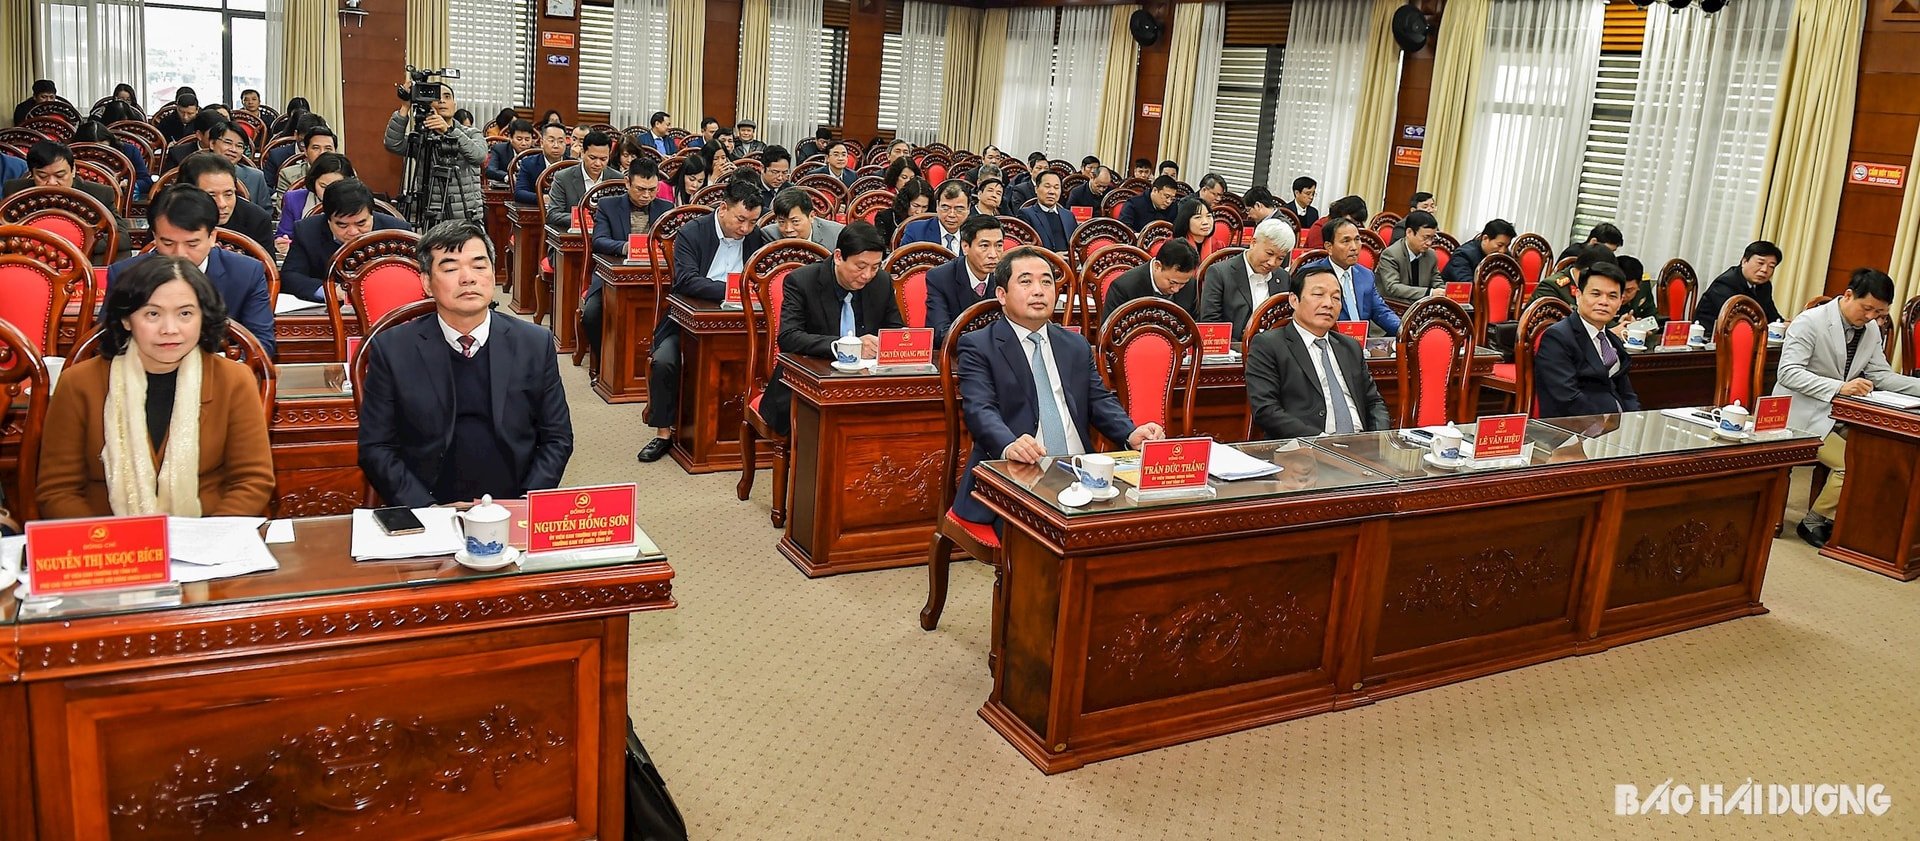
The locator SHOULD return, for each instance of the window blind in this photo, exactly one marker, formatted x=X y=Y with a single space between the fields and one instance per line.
x=1243 y=114
x=828 y=96
x=491 y=43
x=596 y=58
x=1605 y=156
x=1256 y=23
x=891 y=59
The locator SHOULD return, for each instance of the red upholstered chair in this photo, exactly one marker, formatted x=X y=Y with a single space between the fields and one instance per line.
x=1070 y=181
x=867 y=205
x=40 y=273
x=868 y=184
x=1069 y=312
x=908 y=267
x=1291 y=218
x=900 y=229
x=1095 y=234
x=1518 y=375
x=1017 y=232
x=1307 y=256
x=21 y=137
x=660 y=251
x=1119 y=194
x=1677 y=289
x=1435 y=346
x=67 y=213
x=357 y=372
x=1273 y=312
x=23 y=410
x=241 y=346
x=1910 y=321
x=1497 y=292
x=976 y=539
x=589 y=201
x=765 y=274
x=1370 y=248
x=381 y=271
x=1150 y=355
x=96 y=173
x=1229 y=224
x=1381 y=225
x=711 y=196
x=57 y=107
x=1534 y=254
x=1154 y=233
x=1740 y=341
x=936 y=174
x=54 y=128
x=1101 y=270
x=1443 y=246
x=113 y=160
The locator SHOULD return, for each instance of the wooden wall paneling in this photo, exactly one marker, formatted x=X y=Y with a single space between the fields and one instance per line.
x=556 y=86
x=372 y=60
x=1416 y=79
x=1886 y=118
x=720 y=79
x=866 y=40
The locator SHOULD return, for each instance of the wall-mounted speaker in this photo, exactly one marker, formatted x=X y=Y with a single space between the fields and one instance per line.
x=1146 y=29
x=1410 y=28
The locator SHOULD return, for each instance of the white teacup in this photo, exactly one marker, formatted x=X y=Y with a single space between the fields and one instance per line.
x=1696 y=334
x=847 y=349
x=485 y=526
x=1732 y=418
x=1446 y=444
x=1094 y=470
x=1777 y=330
x=1637 y=339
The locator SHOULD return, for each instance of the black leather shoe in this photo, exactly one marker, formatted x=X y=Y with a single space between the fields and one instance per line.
x=1816 y=536
x=654 y=450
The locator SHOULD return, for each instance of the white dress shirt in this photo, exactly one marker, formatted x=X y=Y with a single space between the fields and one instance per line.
x=479 y=334
x=727 y=259
x=1256 y=282
x=978 y=283
x=1059 y=396
x=1322 y=374
x=1349 y=303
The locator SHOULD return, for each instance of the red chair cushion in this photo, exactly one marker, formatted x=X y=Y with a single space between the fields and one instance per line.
x=1505 y=372
x=1499 y=297
x=1107 y=279
x=1533 y=265
x=1677 y=298
x=64 y=228
x=1434 y=349
x=980 y=532
x=1741 y=337
x=1440 y=258
x=388 y=287
x=26 y=301
x=1367 y=258
x=913 y=288
x=1147 y=363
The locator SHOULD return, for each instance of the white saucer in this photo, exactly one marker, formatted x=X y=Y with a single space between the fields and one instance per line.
x=844 y=368
x=1099 y=496
x=1742 y=435
x=1444 y=464
x=508 y=557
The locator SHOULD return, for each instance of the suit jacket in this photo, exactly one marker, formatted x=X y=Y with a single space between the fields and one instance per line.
x=1463 y=262
x=311 y=253
x=499 y=157
x=1137 y=282
x=278 y=158
x=927 y=230
x=950 y=293
x=1283 y=388
x=102 y=194
x=825 y=233
x=1811 y=362
x=1019 y=194
x=1307 y=214
x=1082 y=196
x=810 y=310
x=613 y=224
x=236 y=458
x=694 y=247
x=251 y=221
x=1727 y=285
x=1138 y=211
x=1403 y=276
x=1367 y=302
x=242 y=284
x=998 y=399
x=1569 y=379
x=1226 y=295
x=528 y=177
x=847 y=176
x=1037 y=217
x=258 y=193
x=566 y=190
x=407 y=412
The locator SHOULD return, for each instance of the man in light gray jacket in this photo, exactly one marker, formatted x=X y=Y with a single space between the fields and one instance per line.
x=1836 y=349
x=793 y=219
x=570 y=185
x=453 y=187
x=1408 y=269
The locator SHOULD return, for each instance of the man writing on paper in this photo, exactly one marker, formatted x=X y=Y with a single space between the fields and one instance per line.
x=1836 y=349
x=1304 y=379
x=1028 y=388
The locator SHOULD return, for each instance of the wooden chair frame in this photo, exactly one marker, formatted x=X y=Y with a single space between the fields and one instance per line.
x=1017 y=229
x=26 y=387
x=905 y=262
x=1115 y=259
x=1219 y=255
x=900 y=230
x=357 y=370
x=84 y=210
x=1534 y=322
x=660 y=245
x=1153 y=234
x=1910 y=334
x=1081 y=240
x=1483 y=302
x=949 y=534
x=1155 y=317
x=350 y=266
x=594 y=195
x=1737 y=310
x=68 y=275
x=1274 y=312
x=1429 y=314
x=1537 y=244
x=1676 y=271
x=777 y=259
x=867 y=205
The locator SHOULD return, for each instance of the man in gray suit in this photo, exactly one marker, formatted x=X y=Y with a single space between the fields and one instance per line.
x=570 y=185
x=1836 y=349
x=793 y=219
x=1305 y=379
x=1235 y=287
x=1408 y=269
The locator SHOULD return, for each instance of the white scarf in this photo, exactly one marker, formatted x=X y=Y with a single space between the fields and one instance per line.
x=133 y=485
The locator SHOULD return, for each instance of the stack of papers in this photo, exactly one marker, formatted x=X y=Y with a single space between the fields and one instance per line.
x=1228 y=464
x=287 y=303
x=441 y=537
x=206 y=548
x=1894 y=399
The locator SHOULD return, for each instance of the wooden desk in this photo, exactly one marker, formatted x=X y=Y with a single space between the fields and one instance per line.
x=1360 y=574
x=316 y=442
x=1220 y=409
x=495 y=199
x=527 y=224
x=397 y=699
x=627 y=317
x=713 y=381
x=1670 y=379
x=569 y=250
x=1878 y=525
x=306 y=336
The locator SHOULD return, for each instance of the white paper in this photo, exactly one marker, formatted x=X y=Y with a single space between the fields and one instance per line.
x=55 y=364
x=11 y=548
x=288 y=303
x=1894 y=399
x=441 y=537
x=280 y=531
x=1228 y=464
x=207 y=541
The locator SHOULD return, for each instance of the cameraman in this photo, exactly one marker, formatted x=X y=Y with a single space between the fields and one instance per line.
x=453 y=185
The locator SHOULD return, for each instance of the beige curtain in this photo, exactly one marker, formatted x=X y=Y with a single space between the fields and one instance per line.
x=427 y=37
x=16 y=38
x=1183 y=71
x=310 y=48
x=1906 y=247
x=686 y=54
x=1123 y=77
x=755 y=27
x=1807 y=149
x=1456 y=83
x=1379 y=103
x=970 y=98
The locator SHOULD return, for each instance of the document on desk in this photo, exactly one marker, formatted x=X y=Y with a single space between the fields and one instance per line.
x=1228 y=464
x=206 y=548
x=1893 y=399
x=287 y=303
x=441 y=536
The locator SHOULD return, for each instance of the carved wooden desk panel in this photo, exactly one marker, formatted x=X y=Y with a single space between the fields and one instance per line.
x=527 y=224
x=307 y=335
x=316 y=442
x=866 y=452
x=1353 y=577
x=569 y=250
x=1878 y=525
x=626 y=340
x=713 y=380
x=448 y=705
x=495 y=199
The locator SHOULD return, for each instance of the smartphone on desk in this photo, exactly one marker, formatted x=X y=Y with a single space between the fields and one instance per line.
x=398 y=520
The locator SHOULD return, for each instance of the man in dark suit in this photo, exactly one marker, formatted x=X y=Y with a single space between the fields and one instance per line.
x=520 y=138
x=951 y=207
x=1406 y=270
x=705 y=252
x=615 y=220
x=1493 y=239
x=1091 y=193
x=1027 y=188
x=658 y=126
x=849 y=295
x=1359 y=294
x=776 y=166
x=345 y=212
x=1155 y=204
x=1052 y=221
x=837 y=166
x=1234 y=287
x=1302 y=203
x=1581 y=366
x=1605 y=233
x=566 y=189
x=965 y=280
x=553 y=149
x=1306 y=379
x=43 y=91
x=214 y=174
x=1168 y=275
x=178 y=125
x=1028 y=388
x=815 y=145
x=1753 y=277
x=50 y=164
x=463 y=403
x=1422 y=202
x=183 y=221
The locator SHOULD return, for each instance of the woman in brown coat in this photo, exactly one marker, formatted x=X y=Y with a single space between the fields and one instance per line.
x=160 y=422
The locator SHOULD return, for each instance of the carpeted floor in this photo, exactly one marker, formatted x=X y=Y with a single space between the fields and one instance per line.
x=779 y=707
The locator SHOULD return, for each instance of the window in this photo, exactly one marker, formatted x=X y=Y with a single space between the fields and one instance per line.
x=179 y=51
x=827 y=97
x=596 y=59
x=491 y=43
x=1243 y=114
x=891 y=59
x=1606 y=150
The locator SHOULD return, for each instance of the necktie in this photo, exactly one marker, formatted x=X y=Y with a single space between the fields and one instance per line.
x=1853 y=346
x=1053 y=432
x=1348 y=303
x=1336 y=393
x=466 y=346
x=1607 y=355
x=980 y=288
x=950 y=244
x=846 y=314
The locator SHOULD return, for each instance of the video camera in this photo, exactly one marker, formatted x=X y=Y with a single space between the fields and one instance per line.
x=424 y=91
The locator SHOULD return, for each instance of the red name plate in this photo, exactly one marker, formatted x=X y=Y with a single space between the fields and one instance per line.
x=1500 y=436
x=1216 y=338
x=1356 y=329
x=98 y=553
x=637 y=247
x=1174 y=463
x=516 y=522
x=580 y=221
x=1674 y=334
x=1071 y=328
x=733 y=287
x=566 y=519
x=353 y=348
x=1460 y=292
x=911 y=346
x=1081 y=212
x=1771 y=413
